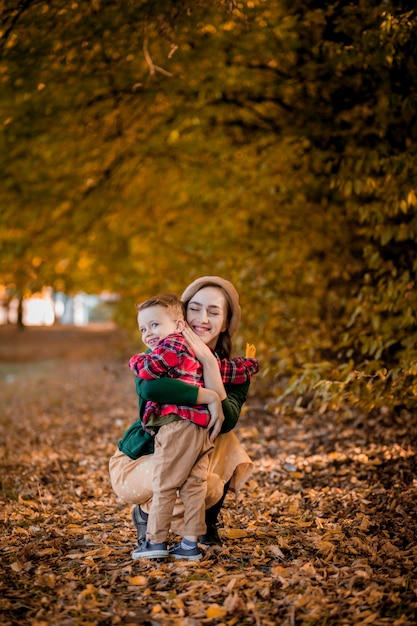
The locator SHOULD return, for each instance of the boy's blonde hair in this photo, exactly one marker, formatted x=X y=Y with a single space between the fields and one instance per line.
x=169 y=301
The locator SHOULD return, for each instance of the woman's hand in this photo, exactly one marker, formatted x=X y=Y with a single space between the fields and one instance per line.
x=214 y=405
x=216 y=418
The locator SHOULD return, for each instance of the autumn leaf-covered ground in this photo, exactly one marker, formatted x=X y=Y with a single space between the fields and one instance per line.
x=324 y=532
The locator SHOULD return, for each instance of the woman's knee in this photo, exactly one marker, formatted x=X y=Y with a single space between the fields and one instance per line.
x=131 y=480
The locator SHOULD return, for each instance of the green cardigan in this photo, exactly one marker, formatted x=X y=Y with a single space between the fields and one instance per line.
x=136 y=442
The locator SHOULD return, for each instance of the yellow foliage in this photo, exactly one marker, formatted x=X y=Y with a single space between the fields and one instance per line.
x=250 y=351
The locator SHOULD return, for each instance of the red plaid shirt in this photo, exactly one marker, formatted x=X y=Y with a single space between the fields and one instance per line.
x=174 y=358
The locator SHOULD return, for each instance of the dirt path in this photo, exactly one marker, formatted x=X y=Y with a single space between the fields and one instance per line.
x=323 y=533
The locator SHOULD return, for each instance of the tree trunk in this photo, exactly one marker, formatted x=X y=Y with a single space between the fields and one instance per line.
x=19 y=320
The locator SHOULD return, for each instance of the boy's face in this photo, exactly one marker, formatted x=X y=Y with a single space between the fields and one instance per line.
x=155 y=323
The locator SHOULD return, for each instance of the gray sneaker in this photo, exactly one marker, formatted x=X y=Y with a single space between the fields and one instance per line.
x=140 y=522
x=149 y=550
x=179 y=552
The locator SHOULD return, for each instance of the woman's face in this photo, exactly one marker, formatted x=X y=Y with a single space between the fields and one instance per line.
x=207 y=314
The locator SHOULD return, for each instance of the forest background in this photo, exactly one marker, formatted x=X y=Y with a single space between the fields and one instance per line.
x=147 y=143
x=274 y=143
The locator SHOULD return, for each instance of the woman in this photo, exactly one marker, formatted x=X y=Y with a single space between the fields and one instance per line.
x=213 y=314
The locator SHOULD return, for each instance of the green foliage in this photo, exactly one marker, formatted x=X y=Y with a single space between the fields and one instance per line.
x=270 y=142
x=368 y=55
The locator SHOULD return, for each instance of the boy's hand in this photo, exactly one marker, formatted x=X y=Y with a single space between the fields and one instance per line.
x=201 y=350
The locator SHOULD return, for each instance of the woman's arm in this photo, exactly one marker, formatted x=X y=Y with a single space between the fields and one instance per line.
x=212 y=374
x=167 y=391
x=174 y=391
x=232 y=405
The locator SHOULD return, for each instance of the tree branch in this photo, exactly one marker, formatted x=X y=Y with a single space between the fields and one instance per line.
x=152 y=67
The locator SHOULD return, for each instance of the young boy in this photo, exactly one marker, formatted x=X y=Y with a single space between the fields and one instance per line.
x=182 y=441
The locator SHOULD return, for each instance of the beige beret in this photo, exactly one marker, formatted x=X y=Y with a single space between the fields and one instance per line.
x=217 y=281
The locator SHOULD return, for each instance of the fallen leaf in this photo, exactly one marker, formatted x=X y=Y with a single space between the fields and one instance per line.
x=235 y=533
x=216 y=612
x=137 y=580
x=16 y=566
x=276 y=551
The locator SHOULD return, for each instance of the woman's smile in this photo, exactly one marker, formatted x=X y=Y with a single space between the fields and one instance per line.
x=200 y=329
x=206 y=314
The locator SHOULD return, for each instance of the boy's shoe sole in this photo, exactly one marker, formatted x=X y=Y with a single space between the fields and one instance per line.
x=148 y=550
x=190 y=555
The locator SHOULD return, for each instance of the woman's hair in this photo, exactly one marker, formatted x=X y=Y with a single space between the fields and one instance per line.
x=224 y=340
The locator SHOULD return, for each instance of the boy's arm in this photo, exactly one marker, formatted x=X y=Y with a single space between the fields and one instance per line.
x=136 y=363
x=155 y=364
x=238 y=370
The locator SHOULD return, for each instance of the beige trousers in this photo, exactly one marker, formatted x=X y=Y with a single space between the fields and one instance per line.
x=180 y=465
x=132 y=479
